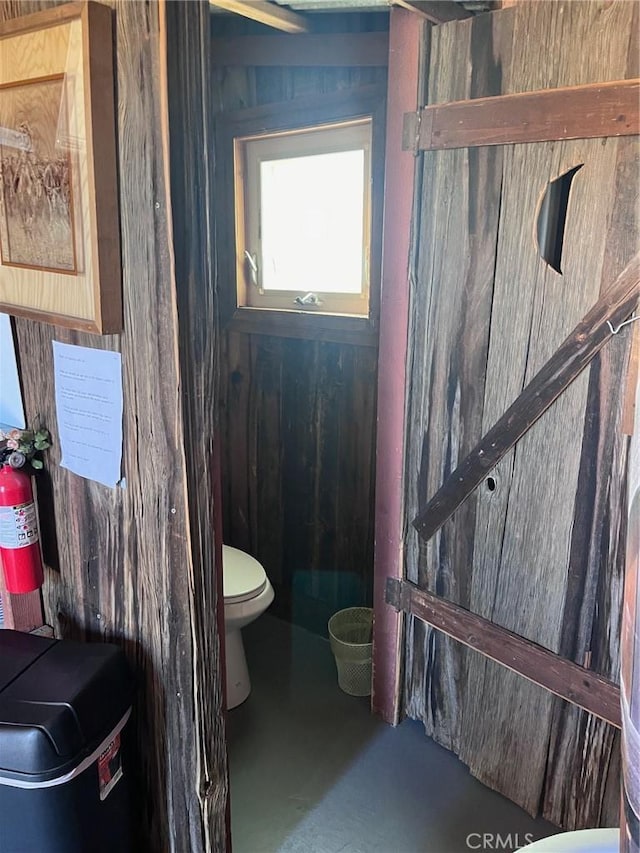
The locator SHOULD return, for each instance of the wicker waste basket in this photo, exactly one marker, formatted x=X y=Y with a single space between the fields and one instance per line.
x=350 y=635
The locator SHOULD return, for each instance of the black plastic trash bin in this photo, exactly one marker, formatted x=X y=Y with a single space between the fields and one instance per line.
x=63 y=786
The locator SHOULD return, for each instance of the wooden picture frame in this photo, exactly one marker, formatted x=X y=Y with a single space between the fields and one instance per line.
x=59 y=230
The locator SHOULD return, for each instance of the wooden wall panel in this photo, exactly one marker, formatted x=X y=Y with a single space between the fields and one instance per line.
x=298 y=420
x=299 y=428
x=538 y=548
x=449 y=336
x=128 y=570
x=518 y=577
x=590 y=621
x=190 y=118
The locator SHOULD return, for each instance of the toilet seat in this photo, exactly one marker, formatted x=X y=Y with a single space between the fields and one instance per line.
x=243 y=577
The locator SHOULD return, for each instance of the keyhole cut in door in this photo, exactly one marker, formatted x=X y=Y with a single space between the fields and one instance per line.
x=552 y=218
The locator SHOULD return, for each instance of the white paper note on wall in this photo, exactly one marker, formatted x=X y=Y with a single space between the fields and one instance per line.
x=11 y=408
x=89 y=411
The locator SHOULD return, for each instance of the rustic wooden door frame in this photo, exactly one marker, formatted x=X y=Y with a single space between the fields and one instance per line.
x=526 y=117
x=405 y=45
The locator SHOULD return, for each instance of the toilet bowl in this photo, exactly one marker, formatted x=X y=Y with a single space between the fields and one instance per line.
x=247 y=594
x=580 y=841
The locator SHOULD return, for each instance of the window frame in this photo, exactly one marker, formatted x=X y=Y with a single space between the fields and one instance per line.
x=298 y=114
x=249 y=153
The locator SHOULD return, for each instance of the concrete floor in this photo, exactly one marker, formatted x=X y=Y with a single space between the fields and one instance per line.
x=313 y=772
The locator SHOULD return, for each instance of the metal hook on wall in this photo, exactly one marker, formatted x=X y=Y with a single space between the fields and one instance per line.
x=626 y=323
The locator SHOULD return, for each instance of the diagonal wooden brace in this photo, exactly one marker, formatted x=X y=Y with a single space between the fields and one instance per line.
x=568 y=362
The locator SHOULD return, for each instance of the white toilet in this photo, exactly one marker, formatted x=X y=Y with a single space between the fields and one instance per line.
x=247 y=594
x=580 y=841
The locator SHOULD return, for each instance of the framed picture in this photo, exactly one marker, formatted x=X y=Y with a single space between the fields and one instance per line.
x=59 y=229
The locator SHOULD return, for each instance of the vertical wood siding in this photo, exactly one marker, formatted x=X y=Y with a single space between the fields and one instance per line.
x=298 y=421
x=299 y=468
x=190 y=117
x=134 y=564
x=539 y=548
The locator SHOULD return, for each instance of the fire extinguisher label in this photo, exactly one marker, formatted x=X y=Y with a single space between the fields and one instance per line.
x=18 y=526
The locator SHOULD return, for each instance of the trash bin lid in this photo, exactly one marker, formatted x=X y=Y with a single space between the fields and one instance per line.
x=19 y=651
x=58 y=700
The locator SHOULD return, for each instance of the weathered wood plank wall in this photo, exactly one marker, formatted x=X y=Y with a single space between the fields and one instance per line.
x=298 y=416
x=539 y=548
x=630 y=644
x=190 y=116
x=135 y=565
x=299 y=468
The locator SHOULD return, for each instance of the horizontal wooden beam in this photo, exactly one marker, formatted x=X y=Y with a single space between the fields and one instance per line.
x=572 y=112
x=267 y=13
x=564 y=678
x=339 y=50
x=568 y=361
x=436 y=11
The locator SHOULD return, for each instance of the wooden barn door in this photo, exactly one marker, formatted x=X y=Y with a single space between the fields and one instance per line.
x=537 y=548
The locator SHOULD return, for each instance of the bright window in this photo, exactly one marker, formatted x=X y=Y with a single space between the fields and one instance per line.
x=303 y=219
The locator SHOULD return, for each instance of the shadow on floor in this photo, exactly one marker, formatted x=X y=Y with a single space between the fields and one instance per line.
x=313 y=772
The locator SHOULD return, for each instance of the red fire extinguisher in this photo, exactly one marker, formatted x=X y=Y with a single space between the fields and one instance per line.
x=19 y=545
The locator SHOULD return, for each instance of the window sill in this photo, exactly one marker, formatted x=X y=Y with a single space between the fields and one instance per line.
x=304 y=324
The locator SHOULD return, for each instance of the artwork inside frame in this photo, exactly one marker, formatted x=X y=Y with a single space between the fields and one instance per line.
x=59 y=229
x=37 y=230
